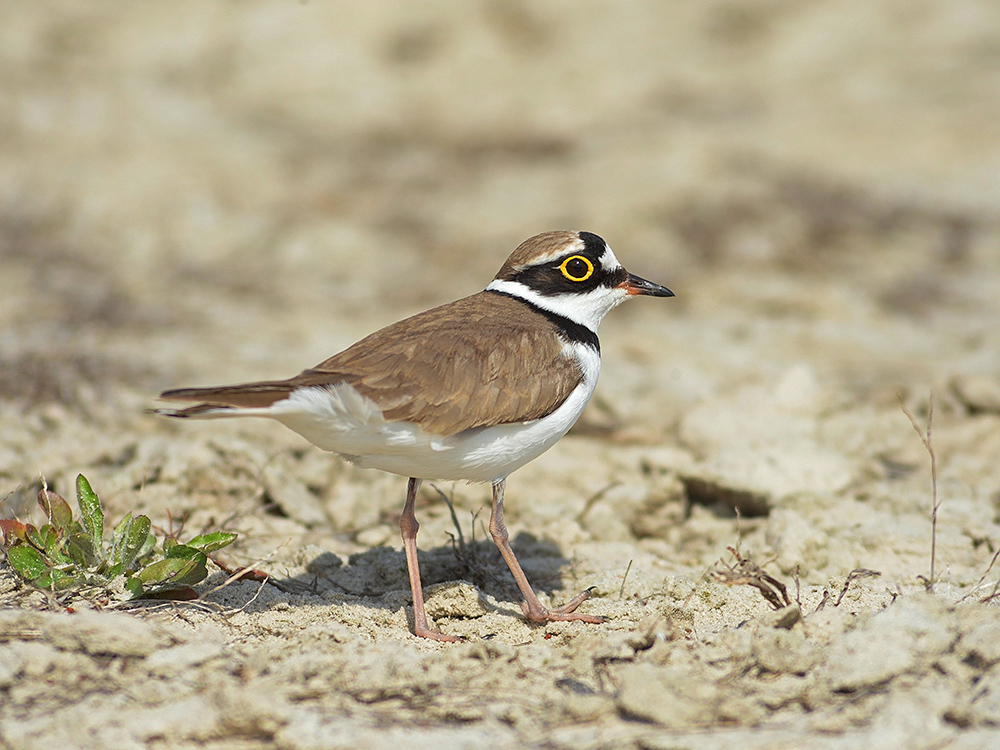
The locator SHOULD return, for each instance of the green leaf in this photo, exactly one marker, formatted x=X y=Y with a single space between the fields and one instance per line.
x=56 y=509
x=50 y=539
x=35 y=536
x=59 y=557
x=134 y=587
x=174 y=571
x=80 y=548
x=56 y=579
x=163 y=570
x=185 y=552
x=211 y=542
x=147 y=547
x=90 y=509
x=27 y=561
x=135 y=540
x=119 y=537
x=196 y=573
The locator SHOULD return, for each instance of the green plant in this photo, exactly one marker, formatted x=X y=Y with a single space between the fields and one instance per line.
x=66 y=554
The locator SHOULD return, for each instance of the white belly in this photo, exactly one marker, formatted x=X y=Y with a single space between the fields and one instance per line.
x=340 y=420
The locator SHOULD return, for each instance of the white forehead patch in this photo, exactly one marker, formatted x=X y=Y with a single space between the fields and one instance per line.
x=608 y=260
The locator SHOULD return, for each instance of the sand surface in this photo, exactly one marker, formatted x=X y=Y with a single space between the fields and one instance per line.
x=195 y=193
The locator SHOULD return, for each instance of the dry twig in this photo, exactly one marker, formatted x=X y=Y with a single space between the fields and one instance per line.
x=925 y=438
x=748 y=573
x=996 y=587
x=798 y=588
x=248 y=572
x=621 y=591
x=449 y=501
x=853 y=576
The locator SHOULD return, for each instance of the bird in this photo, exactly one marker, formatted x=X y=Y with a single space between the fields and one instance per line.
x=468 y=391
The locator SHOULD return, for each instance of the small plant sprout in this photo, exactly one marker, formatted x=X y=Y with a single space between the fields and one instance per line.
x=70 y=555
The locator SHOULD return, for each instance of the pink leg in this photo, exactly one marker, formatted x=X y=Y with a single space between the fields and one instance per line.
x=532 y=608
x=408 y=526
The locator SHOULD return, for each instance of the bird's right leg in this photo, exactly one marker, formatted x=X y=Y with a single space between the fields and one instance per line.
x=408 y=526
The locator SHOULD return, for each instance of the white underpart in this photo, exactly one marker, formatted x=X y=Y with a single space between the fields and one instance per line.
x=339 y=419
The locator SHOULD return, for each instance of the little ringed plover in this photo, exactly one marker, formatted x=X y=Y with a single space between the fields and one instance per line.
x=471 y=390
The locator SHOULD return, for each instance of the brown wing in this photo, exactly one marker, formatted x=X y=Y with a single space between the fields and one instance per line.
x=481 y=361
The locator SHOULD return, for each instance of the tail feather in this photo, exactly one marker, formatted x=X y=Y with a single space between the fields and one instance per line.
x=199 y=410
x=248 y=395
x=225 y=401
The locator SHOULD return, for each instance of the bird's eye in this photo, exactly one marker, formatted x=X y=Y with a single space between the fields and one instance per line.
x=576 y=268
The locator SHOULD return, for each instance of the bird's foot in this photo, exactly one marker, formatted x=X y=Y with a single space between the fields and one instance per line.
x=535 y=612
x=435 y=635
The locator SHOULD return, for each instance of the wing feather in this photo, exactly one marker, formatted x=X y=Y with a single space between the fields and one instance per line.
x=480 y=361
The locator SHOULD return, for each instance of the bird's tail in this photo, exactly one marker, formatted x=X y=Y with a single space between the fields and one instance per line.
x=246 y=400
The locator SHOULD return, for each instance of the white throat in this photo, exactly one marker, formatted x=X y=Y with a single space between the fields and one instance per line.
x=588 y=309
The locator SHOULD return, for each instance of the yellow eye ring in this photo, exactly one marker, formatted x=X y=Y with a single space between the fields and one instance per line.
x=564 y=267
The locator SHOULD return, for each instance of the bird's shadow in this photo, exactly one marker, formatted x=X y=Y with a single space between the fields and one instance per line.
x=374 y=573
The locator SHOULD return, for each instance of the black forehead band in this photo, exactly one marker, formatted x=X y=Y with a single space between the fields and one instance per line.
x=593 y=245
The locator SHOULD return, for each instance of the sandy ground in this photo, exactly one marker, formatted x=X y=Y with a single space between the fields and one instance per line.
x=208 y=192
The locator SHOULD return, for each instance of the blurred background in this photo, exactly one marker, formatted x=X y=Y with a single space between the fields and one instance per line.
x=201 y=192
x=204 y=192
